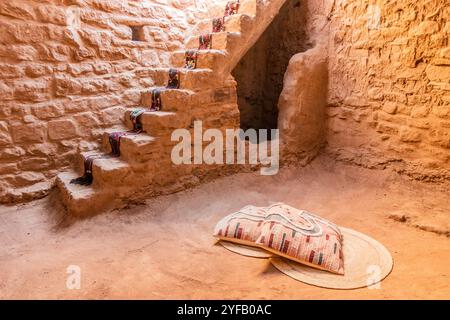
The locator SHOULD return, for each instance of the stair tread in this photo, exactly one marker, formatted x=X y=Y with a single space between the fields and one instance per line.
x=235 y=16
x=187 y=91
x=206 y=51
x=184 y=70
x=75 y=191
x=116 y=128
x=140 y=138
x=159 y=113
x=156 y=113
x=227 y=33
x=107 y=164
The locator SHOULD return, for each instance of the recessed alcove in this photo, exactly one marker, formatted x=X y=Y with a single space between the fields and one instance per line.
x=260 y=72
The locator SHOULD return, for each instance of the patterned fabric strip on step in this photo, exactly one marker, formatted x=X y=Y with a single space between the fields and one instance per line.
x=135 y=117
x=114 y=140
x=191 y=57
x=174 y=79
x=88 y=178
x=218 y=25
x=205 y=42
x=156 y=99
x=232 y=8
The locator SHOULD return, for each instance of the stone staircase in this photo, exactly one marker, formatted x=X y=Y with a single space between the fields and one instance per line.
x=207 y=93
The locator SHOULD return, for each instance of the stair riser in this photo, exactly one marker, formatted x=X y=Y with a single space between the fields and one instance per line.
x=205 y=60
x=189 y=79
x=104 y=176
x=155 y=125
x=133 y=150
x=83 y=206
x=249 y=7
x=208 y=100
x=108 y=178
x=236 y=23
x=158 y=126
x=171 y=100
x=219 y=41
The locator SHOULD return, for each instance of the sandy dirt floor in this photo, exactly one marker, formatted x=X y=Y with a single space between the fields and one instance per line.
x=164 y=249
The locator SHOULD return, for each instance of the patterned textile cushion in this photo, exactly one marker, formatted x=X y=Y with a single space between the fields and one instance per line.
x=303 y=237
x=242 y=227
x=288 y=232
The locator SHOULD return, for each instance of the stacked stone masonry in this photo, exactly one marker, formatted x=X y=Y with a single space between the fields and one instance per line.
x=389 y=85
x=100 y=97
x=376 y=93
x=69 y=69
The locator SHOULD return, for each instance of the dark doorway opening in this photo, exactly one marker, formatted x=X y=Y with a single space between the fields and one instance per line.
x=260 y=73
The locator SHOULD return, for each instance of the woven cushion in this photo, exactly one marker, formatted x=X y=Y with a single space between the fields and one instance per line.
x=303 y=237
x=243 y=226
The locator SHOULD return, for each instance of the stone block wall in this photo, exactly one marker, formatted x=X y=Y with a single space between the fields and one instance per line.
x=389 y=85
x=68 y=68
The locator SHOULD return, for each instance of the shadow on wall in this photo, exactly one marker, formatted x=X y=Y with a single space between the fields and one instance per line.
x=260 y=73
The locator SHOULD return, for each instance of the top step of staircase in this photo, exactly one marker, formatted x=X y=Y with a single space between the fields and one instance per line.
x=237 y=23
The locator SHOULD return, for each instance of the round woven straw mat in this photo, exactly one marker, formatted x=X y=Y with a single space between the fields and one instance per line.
x=366 y=263
x=247 y=251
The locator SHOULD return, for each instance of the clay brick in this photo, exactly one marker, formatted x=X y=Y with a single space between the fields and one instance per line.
x=447 y=28
x=16 y=10
x=42 y=149
x=438 y=73
x=36 y=70
x=440 y=138
x=5 y=137
x=408 y=135
x=8 y=168
x=112 y=115
x=32 y=90
x=30 y=33
x=51 y=14
x=390 y=107
x=28 y=133
x=420 y=111
x=375 y=94
x=10 y=153
x=62 y=129
x=80 y=69
x=424 y=28
x=54 y=52
x=66 y=86
x=28 y=177
x=6 y=93
x=102 y=68
x=8 y=71
x=87 y=120
x=442 y=111
x=23 y=52
x=35 y=164
x=93 y=86
x=48 y=111
x=387 y=129
x=419 y=123
x=445 y=53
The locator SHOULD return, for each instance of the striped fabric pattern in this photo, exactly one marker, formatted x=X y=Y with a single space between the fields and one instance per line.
x=302 y=236
x=243 y=226
x=294 y=234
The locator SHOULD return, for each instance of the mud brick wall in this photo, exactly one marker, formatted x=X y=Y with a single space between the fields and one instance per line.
x=389 y=87
x=68 y=68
